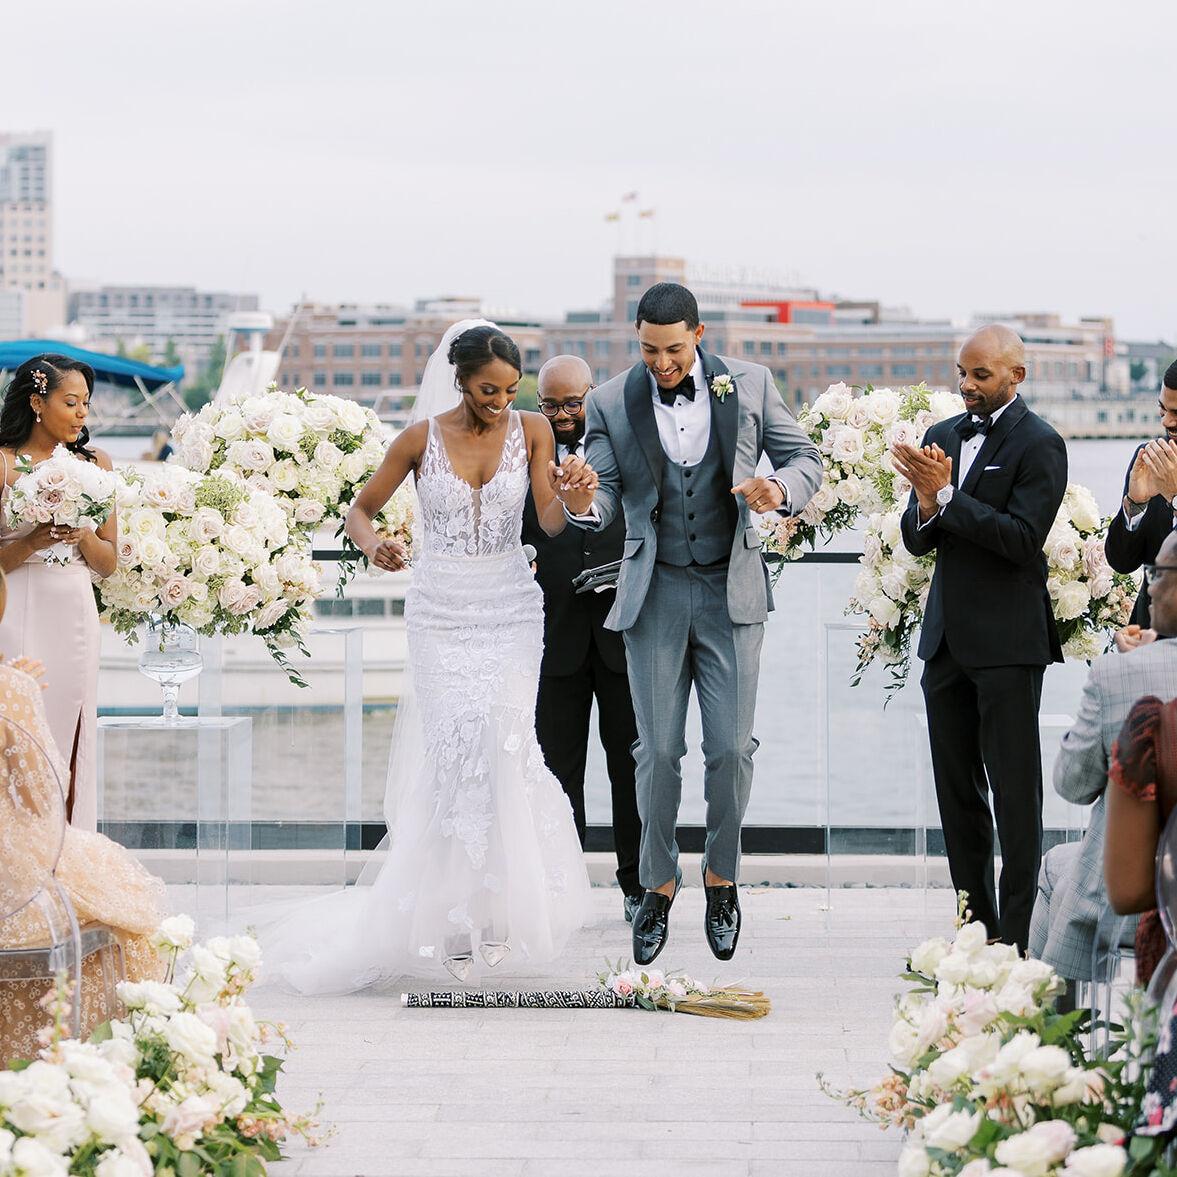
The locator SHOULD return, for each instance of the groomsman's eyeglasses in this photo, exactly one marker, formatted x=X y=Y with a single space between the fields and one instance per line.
x=1153 y=571
x=552 y=408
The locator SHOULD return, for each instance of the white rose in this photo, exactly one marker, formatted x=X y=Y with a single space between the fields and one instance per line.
x=951 y=1131
x=834 y=402
x=144 y=521
x=238 y=539
x=31 y=1158
x=352 y=418
x=902 y=1043
x=187 y=1035
x=971 y=938
x=113 y=1116
x=152 y=996
x=882 y=405
x=230 y=426
x=127 y=550
x=977 y=1168
x=943 y=405
x=884 y=611
x=256 y=413
x=904 y=433
x=847 y=445
x=1084 y=510
x=270 y=614
x=320 y=416
x=153 y=552
x=251 y=454
x=889 y=529
x=328 y=455
x=826 y=497
x=1083 y=646
x=851 y=490
x=1063 y=554
x=192 y=1115
x=231 y=594
x=206 y=561
x=929 y=954
x=308 y=511
x=913 y=1162
x=231 y=1093
x=198 y=592
x=856 y=415
x=114 y=1163
x=1037 y=1149
x=894 y=583
x=284 y=475
x=285 y=432
x=1073 y=599
x=174 y=591
x=1045 y=1068
x=354 y=468
x=207 y=523
x=1098 y=1160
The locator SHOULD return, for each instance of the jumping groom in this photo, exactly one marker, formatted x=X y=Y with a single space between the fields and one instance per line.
x=675 y=442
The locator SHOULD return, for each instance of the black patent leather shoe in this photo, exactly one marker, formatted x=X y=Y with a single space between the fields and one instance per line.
x=632 y=903
x=651 y=922
x=722 y=921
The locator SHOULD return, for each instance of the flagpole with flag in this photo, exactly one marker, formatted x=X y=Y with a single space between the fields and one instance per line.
x=647 y=214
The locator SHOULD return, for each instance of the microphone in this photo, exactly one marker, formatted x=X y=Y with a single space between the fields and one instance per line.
x=529 y=553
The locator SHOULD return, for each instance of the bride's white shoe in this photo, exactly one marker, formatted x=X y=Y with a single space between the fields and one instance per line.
x=459 y=966
x=494 y=954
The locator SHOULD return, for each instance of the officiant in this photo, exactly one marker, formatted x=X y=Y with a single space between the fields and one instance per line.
x=582 y=659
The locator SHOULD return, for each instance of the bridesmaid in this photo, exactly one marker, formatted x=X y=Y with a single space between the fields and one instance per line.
x=51 y=612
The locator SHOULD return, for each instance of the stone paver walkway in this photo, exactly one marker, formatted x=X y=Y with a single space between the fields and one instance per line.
x=456 y=1093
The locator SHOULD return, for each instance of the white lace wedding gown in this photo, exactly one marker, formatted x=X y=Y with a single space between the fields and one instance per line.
x=483 y=859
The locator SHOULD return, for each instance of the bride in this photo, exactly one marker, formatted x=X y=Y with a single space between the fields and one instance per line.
x=483 y=859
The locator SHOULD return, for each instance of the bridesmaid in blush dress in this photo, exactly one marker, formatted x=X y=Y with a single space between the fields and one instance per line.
x=51 y=613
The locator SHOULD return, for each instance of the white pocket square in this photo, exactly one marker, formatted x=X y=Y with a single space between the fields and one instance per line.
x=988 y=468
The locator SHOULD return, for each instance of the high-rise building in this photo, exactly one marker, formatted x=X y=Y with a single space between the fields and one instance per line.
x=26 y=230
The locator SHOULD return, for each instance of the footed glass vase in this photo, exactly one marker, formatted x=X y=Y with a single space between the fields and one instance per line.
x=170 y=657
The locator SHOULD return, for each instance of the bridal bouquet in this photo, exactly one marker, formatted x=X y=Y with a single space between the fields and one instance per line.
x=64 y=489
x=211 y=551
x=987 y=1077
x=312 y=452
x=1089 y=600
x=181 y=1085
x=394 y=521
x=854 y=434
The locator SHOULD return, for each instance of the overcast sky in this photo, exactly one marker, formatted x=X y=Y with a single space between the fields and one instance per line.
x=954 y=156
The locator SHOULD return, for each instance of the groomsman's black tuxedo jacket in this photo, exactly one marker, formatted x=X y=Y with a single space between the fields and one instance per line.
x=988 y=593
x=571 y=619
x=1128 y=550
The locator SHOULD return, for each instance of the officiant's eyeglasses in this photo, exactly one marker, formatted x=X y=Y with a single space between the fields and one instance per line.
x=552 y=408
x=1153 y=571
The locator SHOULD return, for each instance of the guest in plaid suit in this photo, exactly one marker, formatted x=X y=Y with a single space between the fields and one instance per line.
x=1071 y=895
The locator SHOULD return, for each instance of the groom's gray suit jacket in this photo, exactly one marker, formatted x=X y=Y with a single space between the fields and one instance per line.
x=623 y=446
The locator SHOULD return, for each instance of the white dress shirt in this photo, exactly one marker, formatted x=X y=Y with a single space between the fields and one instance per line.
x=684 y=427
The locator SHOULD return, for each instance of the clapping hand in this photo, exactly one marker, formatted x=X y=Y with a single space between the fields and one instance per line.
x=1128 y=637
x=574 y=482
x=928 y=470
x=1154 y=472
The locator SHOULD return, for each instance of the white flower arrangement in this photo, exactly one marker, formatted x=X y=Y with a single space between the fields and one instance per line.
x=394 y=521
x=211 y=551
x=311 y=451
x=854 y=432
x=1089 y=599
x=987 y=1078
x=64 y=489
x=180 y=1085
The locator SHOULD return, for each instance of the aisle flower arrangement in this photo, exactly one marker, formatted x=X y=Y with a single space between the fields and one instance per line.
x=64 y=489
x=211 y=551
x=987 y=1077
x=311 y=451
x=179 y=1086
x=394 y=521
x=1088 y=598
x=854 y=434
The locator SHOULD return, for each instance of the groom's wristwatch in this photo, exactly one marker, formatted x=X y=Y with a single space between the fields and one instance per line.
x=944 y=496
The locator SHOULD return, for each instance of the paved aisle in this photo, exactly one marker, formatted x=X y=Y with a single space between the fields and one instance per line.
x=568 y=1093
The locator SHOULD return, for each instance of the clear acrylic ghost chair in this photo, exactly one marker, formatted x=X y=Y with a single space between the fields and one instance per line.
x=32 y=834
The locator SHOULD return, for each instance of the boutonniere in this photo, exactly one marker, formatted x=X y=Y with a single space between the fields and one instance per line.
x=722 y=384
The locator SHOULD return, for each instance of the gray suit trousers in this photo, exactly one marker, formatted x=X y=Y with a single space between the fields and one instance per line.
x=684 y=634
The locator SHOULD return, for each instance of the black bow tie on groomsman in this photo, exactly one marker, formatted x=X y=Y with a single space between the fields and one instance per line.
x=685 y=387
x=970 y=426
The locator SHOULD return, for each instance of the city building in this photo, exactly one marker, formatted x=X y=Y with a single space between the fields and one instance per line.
x=26 y=232
x=363 y=351
x=156 y=316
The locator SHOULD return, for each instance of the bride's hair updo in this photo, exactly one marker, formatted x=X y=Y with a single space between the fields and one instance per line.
x=477 y=347
x=40 y=376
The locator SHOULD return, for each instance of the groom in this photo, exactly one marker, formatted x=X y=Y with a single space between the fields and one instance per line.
x=675 y=442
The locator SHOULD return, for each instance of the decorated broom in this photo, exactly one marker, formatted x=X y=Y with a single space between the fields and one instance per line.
x=617 y=988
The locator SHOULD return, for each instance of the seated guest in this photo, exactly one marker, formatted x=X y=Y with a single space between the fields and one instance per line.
x=1138 y=529
x=1071 y=896
x=104 y=882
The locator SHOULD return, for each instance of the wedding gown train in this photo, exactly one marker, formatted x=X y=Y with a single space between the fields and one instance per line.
x=483 y=861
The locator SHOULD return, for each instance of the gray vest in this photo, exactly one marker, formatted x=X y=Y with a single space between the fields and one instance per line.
x=695 y=525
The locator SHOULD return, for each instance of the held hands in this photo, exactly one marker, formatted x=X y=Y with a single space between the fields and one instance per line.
x=388 y=555
x=574 y=482
x=45 y=535
x=761 y=494
x=1154 y=472
x=928 y=470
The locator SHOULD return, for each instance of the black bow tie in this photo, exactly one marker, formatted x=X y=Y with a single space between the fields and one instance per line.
x=685 y=387
x=970 y=426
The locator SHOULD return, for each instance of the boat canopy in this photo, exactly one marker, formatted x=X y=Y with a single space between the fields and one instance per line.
x=118 y=370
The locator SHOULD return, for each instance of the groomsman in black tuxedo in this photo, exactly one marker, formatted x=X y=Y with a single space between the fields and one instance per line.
x=1145 y=519
x=986 y=487
x=582 y=658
